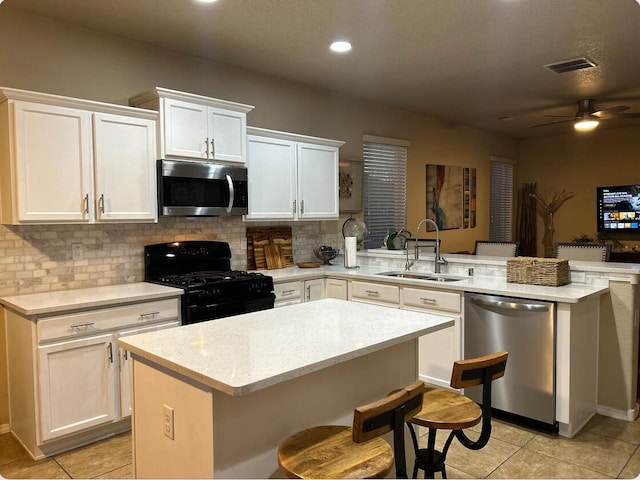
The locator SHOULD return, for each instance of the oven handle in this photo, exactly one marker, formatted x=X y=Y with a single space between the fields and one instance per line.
x=231 y=193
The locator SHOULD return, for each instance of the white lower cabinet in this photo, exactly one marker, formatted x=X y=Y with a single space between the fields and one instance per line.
x=313 y=289
x=336 y=288
x=287 y=293
x=376 y=293
x=70 y=380
x=298 y=291
x=77 y=382
x=440 y=349
x=125 y=365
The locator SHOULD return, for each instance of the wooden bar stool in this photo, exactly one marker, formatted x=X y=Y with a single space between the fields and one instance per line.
x=355 y=452
x=445 y=409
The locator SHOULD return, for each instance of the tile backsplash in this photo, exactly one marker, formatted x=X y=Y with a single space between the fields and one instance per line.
x=37 y=258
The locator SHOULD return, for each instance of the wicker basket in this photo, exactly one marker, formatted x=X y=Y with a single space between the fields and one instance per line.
x=551 y=272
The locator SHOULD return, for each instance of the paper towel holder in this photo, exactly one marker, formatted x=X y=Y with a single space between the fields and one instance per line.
x=350 y=252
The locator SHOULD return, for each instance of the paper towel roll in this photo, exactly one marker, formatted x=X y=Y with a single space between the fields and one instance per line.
x=350 y=250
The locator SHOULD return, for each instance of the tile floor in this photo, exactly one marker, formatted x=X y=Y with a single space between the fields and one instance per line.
x=605 y=448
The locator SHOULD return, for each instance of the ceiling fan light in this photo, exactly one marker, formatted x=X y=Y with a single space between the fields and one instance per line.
x=585 y=124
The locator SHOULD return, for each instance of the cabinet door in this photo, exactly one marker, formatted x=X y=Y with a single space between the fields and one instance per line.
x=125 y=365
x=313 y=290
x=185 y=129
x=227 y=135
x=125 y=144
x=438 y=351
x=53 y=163
x=77 y=380
x=317 y=181
x=271 y=167
x=335 y=288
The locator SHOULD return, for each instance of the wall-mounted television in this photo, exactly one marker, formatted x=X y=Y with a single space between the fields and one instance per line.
x=619 y=209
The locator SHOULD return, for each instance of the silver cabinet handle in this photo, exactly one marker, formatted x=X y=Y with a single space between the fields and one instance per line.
x=294 y=207
x=110 y=352
x=213 y=148
x=80 y=325
x=430 y=300
x=372 y=292
x=101 y=203
x=143 y=316
x=301 y=206
x=206 y=147
x=85 y=203
x=231 y=193
x=287 y=292
x=308 y=293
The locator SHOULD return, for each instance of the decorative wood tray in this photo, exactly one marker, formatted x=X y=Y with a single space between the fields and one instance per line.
x=309 y=264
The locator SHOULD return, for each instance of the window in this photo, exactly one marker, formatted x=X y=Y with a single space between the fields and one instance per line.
x=385 y=187
x=501 y=201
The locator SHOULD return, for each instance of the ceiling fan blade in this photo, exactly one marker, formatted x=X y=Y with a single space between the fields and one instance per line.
x=622 y=115
x=560 y=116
x=553 y=123
x=606 y=112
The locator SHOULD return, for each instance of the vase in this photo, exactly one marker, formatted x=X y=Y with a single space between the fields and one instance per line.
x=547 y=238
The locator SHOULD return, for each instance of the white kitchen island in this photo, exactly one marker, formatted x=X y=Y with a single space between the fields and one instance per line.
x=237 y=387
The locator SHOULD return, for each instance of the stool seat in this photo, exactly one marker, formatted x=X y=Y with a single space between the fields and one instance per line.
x=445 y=409
x=334 y=454
x=332 y=451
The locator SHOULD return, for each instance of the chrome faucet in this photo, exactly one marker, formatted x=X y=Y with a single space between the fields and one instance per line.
x=438 y=260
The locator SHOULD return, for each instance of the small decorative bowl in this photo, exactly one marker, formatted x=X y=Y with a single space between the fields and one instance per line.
x=325 y=254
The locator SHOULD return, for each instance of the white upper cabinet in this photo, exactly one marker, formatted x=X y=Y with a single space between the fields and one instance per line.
x=125 y=150
x=197 y=127
x=65 y=160
x=51 y=166
x=291 y=177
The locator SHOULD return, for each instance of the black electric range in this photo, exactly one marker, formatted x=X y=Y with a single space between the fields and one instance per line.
x=203 y=270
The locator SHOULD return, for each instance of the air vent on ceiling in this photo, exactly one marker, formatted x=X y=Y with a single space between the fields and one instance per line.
x=571 y=65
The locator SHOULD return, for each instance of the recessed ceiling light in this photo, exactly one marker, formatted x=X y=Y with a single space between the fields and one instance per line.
x=340 y=46
x=206 y=1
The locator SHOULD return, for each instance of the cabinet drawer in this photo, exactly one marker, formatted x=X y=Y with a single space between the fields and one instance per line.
x=95 y=321
x=431 y=299
x=287 y=291
x=375 y=292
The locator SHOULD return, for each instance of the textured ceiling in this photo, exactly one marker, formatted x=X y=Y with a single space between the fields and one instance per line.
x=464 y=61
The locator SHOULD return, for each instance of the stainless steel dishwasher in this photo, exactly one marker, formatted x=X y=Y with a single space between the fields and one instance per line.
x=525 y=329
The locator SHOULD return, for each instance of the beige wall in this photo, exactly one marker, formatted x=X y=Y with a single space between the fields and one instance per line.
x=579 y=163
x=43 y=55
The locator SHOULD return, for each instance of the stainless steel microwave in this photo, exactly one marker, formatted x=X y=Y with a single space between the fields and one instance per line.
x=188 y=189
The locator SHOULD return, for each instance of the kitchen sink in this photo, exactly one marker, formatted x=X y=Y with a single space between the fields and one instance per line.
x=431 y=277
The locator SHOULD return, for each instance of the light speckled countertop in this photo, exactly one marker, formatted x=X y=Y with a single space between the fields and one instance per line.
x=34 y=304
x=571 y=293
x=245 y=353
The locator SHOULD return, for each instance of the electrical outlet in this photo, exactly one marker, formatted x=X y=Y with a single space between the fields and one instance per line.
x=77 y=251
x=168 y=422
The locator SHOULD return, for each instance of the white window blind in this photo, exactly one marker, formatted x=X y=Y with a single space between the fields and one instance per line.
x=385 y=187
x=501 y=201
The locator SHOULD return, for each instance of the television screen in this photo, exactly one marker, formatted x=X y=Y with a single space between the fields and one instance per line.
x=619 y=208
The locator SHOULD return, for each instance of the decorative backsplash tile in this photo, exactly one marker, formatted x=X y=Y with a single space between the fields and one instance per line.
x=37 y=258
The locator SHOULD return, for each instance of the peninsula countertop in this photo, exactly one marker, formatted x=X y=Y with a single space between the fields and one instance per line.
x=47 y=303
x=246 y=353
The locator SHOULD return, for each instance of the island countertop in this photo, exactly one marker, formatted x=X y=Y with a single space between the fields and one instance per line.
x=246 y=353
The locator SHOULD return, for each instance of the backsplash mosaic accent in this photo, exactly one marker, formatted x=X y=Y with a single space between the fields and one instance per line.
x=37 y=258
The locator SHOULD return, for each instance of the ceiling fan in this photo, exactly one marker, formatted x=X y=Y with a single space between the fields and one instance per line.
x=587 y=117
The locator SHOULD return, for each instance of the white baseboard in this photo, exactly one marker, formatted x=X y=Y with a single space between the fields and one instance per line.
x=4 y=428
x=629 y=415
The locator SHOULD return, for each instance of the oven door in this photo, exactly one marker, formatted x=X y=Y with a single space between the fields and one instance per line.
x=213 y=311
x=188 y=189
